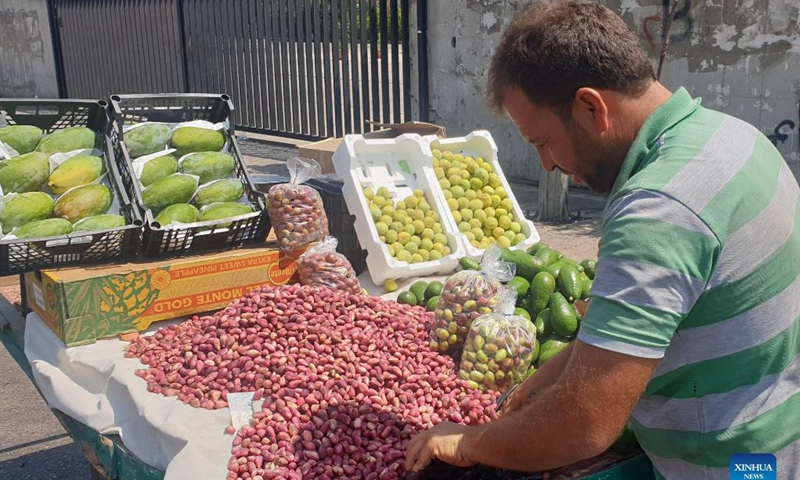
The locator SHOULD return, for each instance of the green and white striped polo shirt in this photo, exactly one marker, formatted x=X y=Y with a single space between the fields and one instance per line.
x=698 y=265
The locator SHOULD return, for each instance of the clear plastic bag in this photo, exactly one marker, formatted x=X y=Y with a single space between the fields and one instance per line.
x=296 y=210
x=465 y=296
x=499 y=348
x=322 y=265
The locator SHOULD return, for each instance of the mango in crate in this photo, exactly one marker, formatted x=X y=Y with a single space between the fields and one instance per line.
x=99 y=222
x=194 y=139
x=67 y=140
x=22 y=138
x=50 y=227
x=410 y=228
x=217 y=211
x=477 y=200
x=227 y=190
x=24 y=208
x=169 y=190
x=146 y=139
x=208 y=165
x=82 y=202
x=25 y=173
x=158 y=167
x=76 y=171
x=178 y=213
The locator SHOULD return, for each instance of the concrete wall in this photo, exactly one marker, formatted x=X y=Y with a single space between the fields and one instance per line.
x=741 y=56
x=27 y=67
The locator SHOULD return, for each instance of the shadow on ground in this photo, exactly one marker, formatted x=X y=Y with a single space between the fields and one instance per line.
x=65 y=462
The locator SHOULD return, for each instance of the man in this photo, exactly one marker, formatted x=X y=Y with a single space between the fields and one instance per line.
x=692 y=329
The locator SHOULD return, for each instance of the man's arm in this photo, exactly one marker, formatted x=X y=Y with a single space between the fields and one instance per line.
x=577 y=418
x=546 y=376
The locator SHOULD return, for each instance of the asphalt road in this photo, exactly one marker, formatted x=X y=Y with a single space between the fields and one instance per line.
x=33 y=444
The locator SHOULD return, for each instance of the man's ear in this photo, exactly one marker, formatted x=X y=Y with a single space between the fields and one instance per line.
x=590 y=111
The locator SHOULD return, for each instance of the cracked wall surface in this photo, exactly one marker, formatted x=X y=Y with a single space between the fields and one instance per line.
x=740 y=56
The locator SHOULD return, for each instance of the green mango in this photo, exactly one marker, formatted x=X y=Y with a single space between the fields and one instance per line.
x=217 y=211
x=26 y=173
x=158 y=167
x=194 y=139
x=172 y=189
x=67 y=140
x=99 y=222
x=178 y=213
x=78 y=170
x=219 y=191
x=82 y=202
x=207 y=165
x=146 y=139
x=22 y=138
x=17 y=210
x=51 y=227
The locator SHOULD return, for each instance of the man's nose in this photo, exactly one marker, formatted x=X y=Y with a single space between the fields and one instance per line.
x=547 y=162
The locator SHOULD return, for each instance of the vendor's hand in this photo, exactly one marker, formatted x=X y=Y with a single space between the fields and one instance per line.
x=444 y=442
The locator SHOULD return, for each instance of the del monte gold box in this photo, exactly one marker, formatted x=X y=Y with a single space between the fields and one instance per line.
x=82 y=305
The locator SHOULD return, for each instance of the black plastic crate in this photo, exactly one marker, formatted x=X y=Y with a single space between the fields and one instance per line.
x=340 y=223
x=19 y=256
x=197 y=237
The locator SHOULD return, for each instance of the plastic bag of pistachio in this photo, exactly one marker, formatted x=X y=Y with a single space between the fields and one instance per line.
x=499 y=347
x=466 y=296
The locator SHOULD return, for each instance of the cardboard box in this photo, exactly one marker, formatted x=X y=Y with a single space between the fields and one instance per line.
x=82 y=305
x=323 y=150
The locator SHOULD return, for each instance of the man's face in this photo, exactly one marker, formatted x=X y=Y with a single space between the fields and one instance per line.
x=565 y=145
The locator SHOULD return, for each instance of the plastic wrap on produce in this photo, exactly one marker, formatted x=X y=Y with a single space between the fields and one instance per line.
x=322 y=265
x=499 y=347
x=467 y=295
x=296 y=210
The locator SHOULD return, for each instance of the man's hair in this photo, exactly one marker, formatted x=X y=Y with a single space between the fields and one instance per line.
x=550 y=50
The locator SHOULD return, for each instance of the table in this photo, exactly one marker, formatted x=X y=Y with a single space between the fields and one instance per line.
x=111 y=460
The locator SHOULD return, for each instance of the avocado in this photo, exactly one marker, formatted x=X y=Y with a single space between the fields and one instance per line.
x=550 y=347
x=434 y=290
x=432 y=302
x=569 y=282
x=536 y=247
x=589 y=267
x=527 y=266
x=467 y=263
x=586 y=286
x=535 y=351
x=418 y=289
x=542 y=323
x=562 y=316
x=407 y=298
x=548 y=255
x=521 y=312
x=542 y=287
x=520 y=284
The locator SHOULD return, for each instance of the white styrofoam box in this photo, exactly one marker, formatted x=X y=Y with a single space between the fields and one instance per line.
x=481 y=144
x=400 y=164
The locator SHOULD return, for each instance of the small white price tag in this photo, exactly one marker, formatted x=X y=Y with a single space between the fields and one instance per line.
x=38 y=297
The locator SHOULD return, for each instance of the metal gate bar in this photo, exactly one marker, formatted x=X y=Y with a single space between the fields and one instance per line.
x=298 y=68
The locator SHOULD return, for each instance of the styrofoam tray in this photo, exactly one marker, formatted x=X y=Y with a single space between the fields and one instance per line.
x=401 y=164
x=481 y=144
